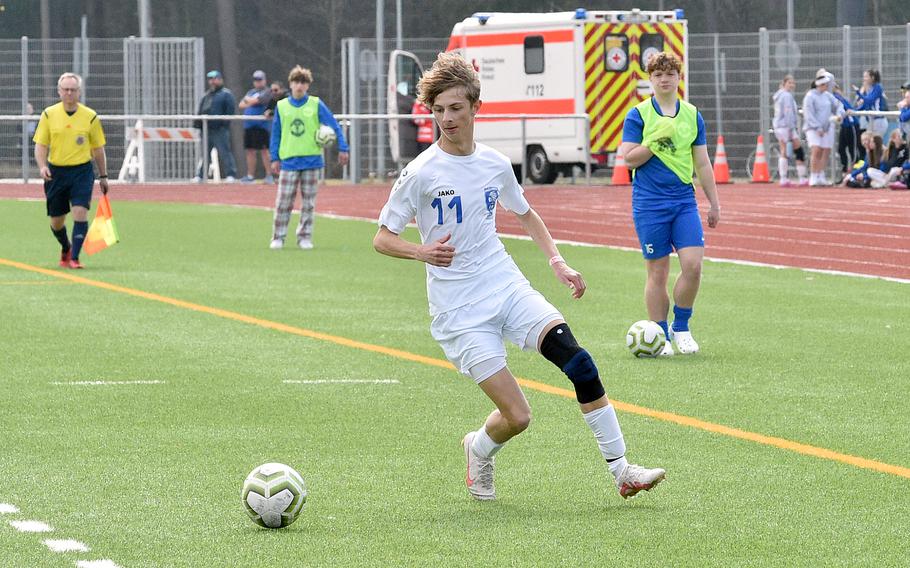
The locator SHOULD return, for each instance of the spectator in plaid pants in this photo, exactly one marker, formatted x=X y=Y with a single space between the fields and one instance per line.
x=297 y=158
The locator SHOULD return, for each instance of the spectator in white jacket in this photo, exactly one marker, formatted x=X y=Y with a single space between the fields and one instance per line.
x=820 y=113
x=786 y=130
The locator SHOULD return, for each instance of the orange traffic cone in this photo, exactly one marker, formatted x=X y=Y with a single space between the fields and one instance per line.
x=620 y=171
x=760 y=167
x=721 y=169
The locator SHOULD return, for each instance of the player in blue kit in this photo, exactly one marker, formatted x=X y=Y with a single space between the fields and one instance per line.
x=663 y=140
x=478 y=296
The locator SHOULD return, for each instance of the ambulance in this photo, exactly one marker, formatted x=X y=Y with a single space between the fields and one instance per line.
x=586 y=62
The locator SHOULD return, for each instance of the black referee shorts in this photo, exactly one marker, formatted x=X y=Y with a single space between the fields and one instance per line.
x=69 y=185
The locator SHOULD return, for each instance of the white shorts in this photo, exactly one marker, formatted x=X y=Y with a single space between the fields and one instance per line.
x=824 y=141
x=786 y=134
x=474 y=333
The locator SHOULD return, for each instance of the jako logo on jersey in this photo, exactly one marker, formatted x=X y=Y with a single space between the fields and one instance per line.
x=444 y=192
x=491 y=194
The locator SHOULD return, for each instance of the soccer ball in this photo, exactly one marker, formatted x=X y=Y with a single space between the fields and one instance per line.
x=273 y=495
x=325 y=136
x=645 y=339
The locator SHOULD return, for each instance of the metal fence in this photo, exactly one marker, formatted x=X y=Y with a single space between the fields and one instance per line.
x=731 y=79
x=120 y=76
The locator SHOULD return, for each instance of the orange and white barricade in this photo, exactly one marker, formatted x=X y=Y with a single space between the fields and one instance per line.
x=134 y=157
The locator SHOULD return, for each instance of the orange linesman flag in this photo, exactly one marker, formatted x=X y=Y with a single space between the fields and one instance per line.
x=103 y=232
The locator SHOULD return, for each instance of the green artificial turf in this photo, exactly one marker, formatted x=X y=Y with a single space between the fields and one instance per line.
x=150 y=474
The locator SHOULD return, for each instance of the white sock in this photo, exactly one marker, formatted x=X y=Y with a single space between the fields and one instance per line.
x=483 y=445
x=783 y=165
x=801 y=171
x=605 y=426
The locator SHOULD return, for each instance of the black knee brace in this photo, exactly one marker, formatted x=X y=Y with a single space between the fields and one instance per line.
x=560 y=348
x=800 y=155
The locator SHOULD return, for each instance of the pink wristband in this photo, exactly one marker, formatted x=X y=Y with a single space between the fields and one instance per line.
x=555 y=259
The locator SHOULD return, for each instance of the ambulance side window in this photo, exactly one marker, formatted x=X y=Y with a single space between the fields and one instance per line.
x=533 y=55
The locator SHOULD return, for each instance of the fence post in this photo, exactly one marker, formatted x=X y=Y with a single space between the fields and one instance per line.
x=878 y=35
x=24 y=70
x=587 y=149
x=353 y=107
x=205 y=149
x=764 y=93
x=718 y=113
x=845 y=76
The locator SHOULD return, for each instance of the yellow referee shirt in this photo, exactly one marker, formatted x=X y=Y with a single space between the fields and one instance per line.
x=70 y=137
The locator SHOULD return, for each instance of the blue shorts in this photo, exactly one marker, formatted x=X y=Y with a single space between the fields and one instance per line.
x=668 y=227
x=69 y=185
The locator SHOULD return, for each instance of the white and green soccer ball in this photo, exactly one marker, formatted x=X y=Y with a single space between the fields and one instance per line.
x=273 y=495
x=645 y=339
x=325 y=136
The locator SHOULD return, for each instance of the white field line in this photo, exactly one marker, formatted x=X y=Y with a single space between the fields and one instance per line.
x=106 y=383
x=7 y=508
x=343 y=382
x=96 y=564
x=65 y=545
x=31 y=526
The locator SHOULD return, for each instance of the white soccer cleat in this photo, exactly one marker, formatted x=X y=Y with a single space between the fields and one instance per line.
x=479 y=477
x=685 y=343
x=305 y=244
x=667 y=350
x=636 y=478
x=276 y=244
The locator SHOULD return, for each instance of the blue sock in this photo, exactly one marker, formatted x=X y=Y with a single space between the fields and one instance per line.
x=80 y=228
x=681 y=318
x=663 y=326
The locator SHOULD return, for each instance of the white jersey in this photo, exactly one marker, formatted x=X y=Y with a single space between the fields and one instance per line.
x=458 y=195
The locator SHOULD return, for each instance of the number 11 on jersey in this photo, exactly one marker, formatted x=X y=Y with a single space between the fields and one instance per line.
x=455 y=202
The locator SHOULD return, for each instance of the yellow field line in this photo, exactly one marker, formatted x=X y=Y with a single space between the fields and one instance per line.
x=542 y=387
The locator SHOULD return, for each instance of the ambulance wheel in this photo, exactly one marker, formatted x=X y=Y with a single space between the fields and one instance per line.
x=540 y=170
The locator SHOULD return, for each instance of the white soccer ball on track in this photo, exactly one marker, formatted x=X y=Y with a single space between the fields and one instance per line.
x=646 y=339
x=273 y=495
x=325 y=136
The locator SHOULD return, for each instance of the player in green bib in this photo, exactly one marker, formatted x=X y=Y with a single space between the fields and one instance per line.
x=664 y=142
x=297 y=157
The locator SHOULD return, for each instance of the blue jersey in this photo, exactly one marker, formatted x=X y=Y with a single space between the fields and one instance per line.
x=654 y=182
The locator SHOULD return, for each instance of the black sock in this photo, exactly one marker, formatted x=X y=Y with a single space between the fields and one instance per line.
x=62 y=238
x=80 y=228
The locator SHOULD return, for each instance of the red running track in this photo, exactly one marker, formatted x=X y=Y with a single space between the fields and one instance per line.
x=857 y=231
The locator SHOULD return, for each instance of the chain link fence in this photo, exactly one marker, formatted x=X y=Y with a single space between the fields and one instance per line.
x=731 y=79
x=120 y=76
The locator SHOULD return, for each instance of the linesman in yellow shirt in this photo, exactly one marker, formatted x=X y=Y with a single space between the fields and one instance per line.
x=68 y=137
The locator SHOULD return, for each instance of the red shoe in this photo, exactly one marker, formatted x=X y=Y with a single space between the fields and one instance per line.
x=74 y=263
x=65 y=258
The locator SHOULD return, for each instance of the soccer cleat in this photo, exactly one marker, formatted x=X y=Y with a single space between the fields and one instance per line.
x=786 y=183
x=269 y=179
x=685 y=343
x=230 y=179
x=479 y=476
x=246 y=179
x=276 y=244
x=65 y=258
x=803 y=182
x=636 y=478
x=305 y=244
x=197 y=179
x=74 y=263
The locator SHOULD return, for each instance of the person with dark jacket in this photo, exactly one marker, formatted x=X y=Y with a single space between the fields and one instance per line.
x=218 y=100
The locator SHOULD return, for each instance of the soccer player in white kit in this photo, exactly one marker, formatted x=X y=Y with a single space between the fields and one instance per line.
x=477 y=294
